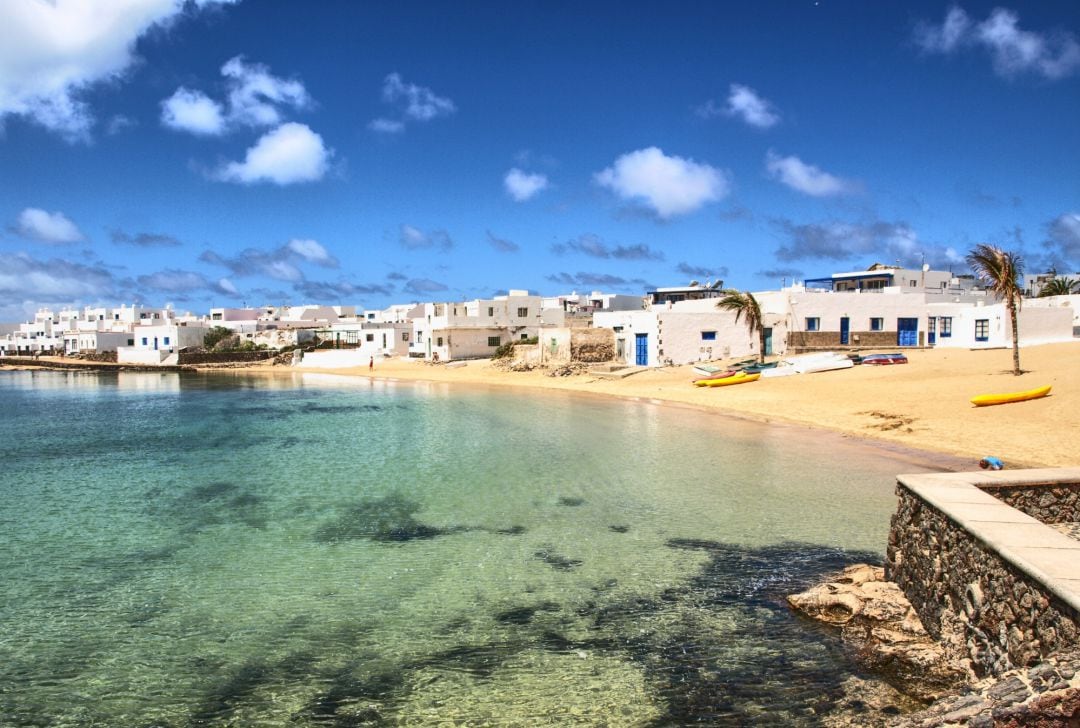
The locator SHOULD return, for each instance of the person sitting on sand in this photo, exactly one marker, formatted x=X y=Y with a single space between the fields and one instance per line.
x=991 y=462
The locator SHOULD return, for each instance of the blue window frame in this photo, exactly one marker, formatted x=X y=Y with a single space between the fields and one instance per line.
x=144 y=341
x=813 y=323
x=982 y=329
x=708 y=336
x=945 y=327
x=166 y=341
x=877 y=324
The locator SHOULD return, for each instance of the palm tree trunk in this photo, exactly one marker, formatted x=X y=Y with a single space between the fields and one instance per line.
x=1015 y=338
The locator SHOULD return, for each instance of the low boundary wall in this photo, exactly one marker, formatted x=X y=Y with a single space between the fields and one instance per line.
x=991 y=580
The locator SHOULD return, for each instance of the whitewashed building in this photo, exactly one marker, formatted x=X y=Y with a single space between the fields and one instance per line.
x=474 y=329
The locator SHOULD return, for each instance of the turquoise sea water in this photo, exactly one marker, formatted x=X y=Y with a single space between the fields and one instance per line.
x=305 y=550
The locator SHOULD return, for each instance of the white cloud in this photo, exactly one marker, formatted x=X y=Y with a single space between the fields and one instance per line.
x=255 y=94
x=289 y=154
x=387 y=126
x=415 y=103
x=805 y=178
x=1018 y=51
x=522 y=185
x=946 y=37
x=743 y=102
x=312 y=252
x=418 y=103
x=193 y=111
x=224 y=284
x=255 y=98
x=1014 y=51
x=47 y=227
x=668 y=185
x=53 y=52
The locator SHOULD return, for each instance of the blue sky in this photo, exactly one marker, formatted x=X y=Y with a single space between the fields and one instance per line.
x=225 y=153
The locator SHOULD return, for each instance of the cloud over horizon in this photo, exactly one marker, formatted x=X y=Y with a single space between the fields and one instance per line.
x=839 y=241
x=743 y=103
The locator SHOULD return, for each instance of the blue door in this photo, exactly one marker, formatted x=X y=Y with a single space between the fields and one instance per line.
x=931 y=330
x=845 y=329
x=907 y=332
x=768 y=341
x=642 y=350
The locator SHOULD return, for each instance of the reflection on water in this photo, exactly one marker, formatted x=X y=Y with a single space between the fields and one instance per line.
x=309 y=550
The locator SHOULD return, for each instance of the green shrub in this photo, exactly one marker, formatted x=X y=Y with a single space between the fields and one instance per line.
x=216 y=335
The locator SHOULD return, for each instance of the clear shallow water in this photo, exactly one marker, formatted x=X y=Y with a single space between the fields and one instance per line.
x=185 y=551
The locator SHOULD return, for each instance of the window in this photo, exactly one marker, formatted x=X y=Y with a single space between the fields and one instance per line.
x=369 y=337
x=491 y=310
x=813 y=323
x=524 y=337
x=144 y=341
x=404 y=335
x=982 y=329
x=617 y=329
x=166 y=341
x=877 y=324
x=874 y=285
x=708 y=336
x=914 y=284
x=494 y=340
x=945 y=327
x=131 y=342
x=523 y=312
x=438 y=341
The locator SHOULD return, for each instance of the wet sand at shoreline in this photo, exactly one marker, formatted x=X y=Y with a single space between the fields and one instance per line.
x=922 y=405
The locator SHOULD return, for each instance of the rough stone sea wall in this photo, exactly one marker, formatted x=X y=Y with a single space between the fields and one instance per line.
x=967 y=596
x=1049 y=502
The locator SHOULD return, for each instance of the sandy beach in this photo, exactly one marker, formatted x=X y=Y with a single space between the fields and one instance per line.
x=922 y=405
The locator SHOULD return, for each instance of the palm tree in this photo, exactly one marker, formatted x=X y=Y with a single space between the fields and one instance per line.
x=1001 y=270
x=1058 y=287
x=744 y=304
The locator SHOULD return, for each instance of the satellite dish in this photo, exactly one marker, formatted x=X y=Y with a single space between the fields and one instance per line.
x=694 y=284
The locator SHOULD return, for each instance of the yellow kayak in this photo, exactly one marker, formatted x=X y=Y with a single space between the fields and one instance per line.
x=987 y=399
x=739 y=378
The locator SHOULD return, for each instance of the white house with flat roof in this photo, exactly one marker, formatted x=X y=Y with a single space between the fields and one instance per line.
x=474 y=329
x=693 y=330
x=160 y=343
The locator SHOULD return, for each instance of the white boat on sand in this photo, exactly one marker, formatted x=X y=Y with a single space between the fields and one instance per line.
x=808 y=363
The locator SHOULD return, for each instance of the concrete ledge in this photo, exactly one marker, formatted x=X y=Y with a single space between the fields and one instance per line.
x=1050 y=558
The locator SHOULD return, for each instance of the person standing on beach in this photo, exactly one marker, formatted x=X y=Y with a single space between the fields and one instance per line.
x=991 y=462
x=371 y=364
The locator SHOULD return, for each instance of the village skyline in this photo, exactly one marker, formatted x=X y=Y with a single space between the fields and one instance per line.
x=212 y=153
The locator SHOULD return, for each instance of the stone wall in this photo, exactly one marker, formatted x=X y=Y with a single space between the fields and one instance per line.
x=1048 y=502
x=1045 y=695
x=191 y=358
x=967 y=595
x=831 y=339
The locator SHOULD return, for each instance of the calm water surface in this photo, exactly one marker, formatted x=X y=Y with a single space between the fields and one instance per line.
x=305 y=550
